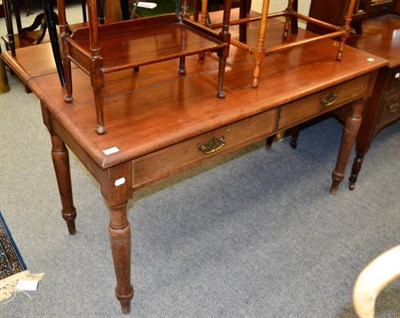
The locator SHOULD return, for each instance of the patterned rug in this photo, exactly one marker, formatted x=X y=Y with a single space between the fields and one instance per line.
x=11 y=261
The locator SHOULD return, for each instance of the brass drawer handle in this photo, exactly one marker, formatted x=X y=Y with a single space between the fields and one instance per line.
x=393 y=107
x=329 y=99
x=213 y=145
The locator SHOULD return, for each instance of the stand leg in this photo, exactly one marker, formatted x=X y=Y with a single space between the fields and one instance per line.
x=59 y=154
x=120 y=240
x=182 y=68
x=224 y=53
x=244 y=10
x=64 y=34
x=294 y=27
x=350 y=131
x=9 y=26
x=221 y=75
x=51 y=24
x=97 y=85
x=259 y=51
x=345 y=29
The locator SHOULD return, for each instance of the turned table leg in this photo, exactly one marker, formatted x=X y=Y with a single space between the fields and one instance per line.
x=120 y=240
x=350 y=131
x=59 y=154
x=116 y=187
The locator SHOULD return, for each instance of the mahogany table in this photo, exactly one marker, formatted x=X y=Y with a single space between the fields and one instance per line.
x=381 y=36
x=161 y=123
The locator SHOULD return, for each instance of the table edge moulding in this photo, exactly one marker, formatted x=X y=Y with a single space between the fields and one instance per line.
x=162 y=125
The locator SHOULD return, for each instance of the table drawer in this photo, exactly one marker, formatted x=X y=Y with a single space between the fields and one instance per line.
x=324 y=101
x=391 y=110
x=171 y=160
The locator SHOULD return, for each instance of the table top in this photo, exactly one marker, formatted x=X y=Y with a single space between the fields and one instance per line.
x=156 y=107
x=381 y=36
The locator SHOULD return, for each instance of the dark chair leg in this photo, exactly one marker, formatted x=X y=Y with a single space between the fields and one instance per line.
x=125 y=9
x=51 y=25
x=244 y=11
x=9 y=25
x=101 y=11
x=84 y=15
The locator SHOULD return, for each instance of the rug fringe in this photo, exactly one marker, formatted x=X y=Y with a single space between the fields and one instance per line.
x=8 y=285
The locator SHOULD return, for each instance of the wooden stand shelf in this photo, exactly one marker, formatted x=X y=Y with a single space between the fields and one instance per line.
x=101 y=49
x=143 y=41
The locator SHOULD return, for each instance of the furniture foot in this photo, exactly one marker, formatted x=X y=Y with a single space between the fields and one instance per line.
x=101 y=129
x=120 y=240
x=99 y=101
x=268 y=143
x=294 y=137
x=68 y=98
x=59 y=154
x=285 y=34
x=256 y=74
x=358 y=160
x=125 y=306
x=182 y=67
x=350 y=131
x=336 y=179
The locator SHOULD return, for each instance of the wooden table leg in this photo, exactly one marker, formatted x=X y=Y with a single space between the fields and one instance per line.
x=120 y=240
x=367 y=131
x=59 y=154
x=350 y=131
x=116 y=187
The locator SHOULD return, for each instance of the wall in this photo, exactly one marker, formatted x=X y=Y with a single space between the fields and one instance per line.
x=280 y=5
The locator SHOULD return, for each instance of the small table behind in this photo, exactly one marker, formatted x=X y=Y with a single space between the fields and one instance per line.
x=381 y=36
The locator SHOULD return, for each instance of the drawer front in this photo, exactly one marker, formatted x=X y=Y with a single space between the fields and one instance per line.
x=322 y=102
x=171 y=160
x=395 y=79
x=391 y=110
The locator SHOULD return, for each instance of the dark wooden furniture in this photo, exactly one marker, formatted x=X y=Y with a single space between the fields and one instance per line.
x=333 y=11
x=380 y=37
x=100 y=50
x=36 y=32
x=30 y=35
x=161 y=124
